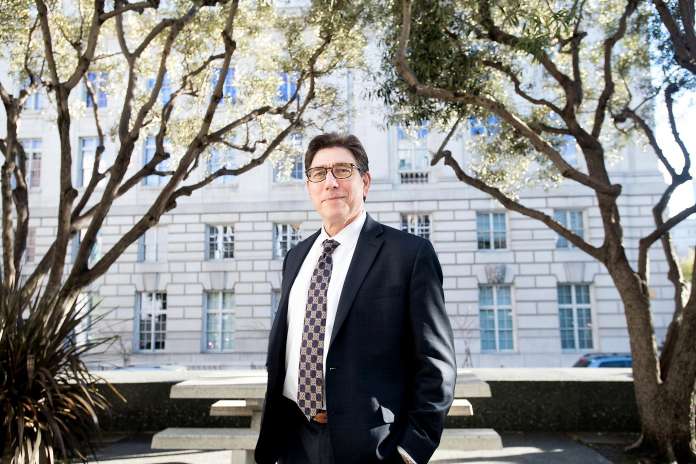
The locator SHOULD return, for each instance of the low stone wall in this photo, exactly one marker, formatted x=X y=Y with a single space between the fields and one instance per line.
x=522 y=400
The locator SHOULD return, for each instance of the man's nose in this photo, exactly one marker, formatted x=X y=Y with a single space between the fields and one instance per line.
x=330 y=181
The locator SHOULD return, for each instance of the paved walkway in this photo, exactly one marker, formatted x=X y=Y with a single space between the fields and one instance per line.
x=527 y=448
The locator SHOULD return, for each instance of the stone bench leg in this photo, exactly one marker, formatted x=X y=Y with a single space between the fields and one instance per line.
x=242 y=457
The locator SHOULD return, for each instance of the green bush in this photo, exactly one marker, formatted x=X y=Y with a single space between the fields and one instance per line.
x=48 y=398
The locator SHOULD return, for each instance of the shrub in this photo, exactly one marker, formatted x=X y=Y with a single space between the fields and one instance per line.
x=48 y=399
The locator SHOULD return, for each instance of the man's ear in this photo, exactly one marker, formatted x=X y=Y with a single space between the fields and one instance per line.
x=367 y=180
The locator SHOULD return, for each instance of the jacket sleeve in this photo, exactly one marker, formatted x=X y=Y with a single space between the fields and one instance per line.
x=433 y=357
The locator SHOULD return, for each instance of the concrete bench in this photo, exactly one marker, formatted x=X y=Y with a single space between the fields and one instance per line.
x=243 y=396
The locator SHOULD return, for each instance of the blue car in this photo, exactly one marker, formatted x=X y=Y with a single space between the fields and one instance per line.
x=605 y=360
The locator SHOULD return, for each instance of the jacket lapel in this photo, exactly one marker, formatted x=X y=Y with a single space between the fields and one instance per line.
x=369 y=243
x=279 y=331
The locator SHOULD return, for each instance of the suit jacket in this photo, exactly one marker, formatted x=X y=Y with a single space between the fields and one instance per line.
x=390 y=367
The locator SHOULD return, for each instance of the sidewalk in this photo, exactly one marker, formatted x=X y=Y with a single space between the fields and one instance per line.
x=525 y=448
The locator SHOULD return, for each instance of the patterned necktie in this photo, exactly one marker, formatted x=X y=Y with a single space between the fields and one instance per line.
x=310 y=389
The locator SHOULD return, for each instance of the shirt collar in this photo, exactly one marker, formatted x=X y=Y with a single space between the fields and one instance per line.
x=349 y=234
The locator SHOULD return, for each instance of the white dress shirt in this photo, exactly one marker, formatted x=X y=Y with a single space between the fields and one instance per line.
x=342 y=256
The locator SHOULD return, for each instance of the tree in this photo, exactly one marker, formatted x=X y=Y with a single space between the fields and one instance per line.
x=197 y=76
x=448 y=61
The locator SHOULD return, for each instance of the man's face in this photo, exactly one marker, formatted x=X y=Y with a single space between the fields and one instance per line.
x=338 y=201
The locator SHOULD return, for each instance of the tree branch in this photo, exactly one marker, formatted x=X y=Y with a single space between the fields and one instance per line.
x=138 y=6
x=494 y=107
x=608 y=91
x=597 y=253
x=647 y=241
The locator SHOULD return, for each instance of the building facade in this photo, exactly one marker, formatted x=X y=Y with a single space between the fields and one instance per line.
x=201 y=288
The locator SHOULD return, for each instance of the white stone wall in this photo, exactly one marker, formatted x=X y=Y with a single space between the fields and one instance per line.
x=252 y=203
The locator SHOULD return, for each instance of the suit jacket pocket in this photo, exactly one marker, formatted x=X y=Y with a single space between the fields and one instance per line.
x=387 y=414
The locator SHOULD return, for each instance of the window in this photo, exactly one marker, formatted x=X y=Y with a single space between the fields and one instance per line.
x=575 y=316
x=478 y=126
x=94 y=254
x=222 y=157
x=219 y=321
x=572 y=220
x=495 y=318
x=569 y=150
x=287 y=87
x=229 y=91
x=220 y=243
x=152 y=245
x=416 y=224
x=32 y=148
x=30 y=252
x=149 y=149
x=34 y=101
x=291 y=168
x=86 y=302
x=285 y=236
x=165 y=93
x=414 y=159
x=491 y=231
x=85 y=160
x=98 y=82
x=152 y=321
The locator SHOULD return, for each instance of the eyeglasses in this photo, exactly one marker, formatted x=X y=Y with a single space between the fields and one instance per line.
x=338 y=170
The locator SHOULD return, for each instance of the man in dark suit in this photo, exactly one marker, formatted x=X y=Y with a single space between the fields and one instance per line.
x=361 y=365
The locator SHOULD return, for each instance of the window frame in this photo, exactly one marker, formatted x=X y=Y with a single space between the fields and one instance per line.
x=415 y=227
x=492 y=231
x=220 y=311
x=291 y=235
x=496 y=308
x=34 y=156
x=155 y=311
x=220 y=242
x=574 y=306
x=561 y=242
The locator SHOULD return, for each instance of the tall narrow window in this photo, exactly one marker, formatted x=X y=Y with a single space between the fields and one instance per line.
x=86 y=303
x=416 y=224
x=32 y=148
x=285 y=236
x=149 y=150
x=165 y=93
x=292 y=168
x=220 y=241
x=219 y=321
x=98 y=82
x=575 y=316
x=229 y=91
x=94 y=254
x=34 y=101
x=287 y=87
x=495 y=318
x=152 y=245
x=412 y=150
x=570 y=219
x=152 y=321
x=222 y=157
x=85 y=160
x=569 y=150
x=491 y=232
x=30 y=252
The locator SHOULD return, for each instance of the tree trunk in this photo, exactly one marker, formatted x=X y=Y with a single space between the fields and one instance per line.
x=666 y=408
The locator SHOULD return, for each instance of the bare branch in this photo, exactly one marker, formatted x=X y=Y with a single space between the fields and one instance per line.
x=608 y=91
x=437 y=156
x=647 y=241
x=118 y=12
x=518 y=87
x=684 y=44
x=509 y=203
x=494 y=107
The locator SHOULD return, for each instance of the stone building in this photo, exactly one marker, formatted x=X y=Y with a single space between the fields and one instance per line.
x=201 y=288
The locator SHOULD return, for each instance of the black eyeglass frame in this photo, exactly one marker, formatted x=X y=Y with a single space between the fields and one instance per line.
x=353 y=167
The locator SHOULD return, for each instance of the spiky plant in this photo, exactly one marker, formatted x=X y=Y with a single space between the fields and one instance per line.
x=48 y=398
